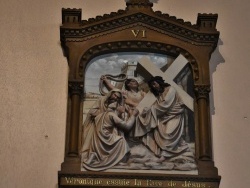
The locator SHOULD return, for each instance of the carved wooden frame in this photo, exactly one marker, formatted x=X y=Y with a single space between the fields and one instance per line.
x=82 y=40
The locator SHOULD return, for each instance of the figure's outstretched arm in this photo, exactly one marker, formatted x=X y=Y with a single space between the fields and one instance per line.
x=107 y=83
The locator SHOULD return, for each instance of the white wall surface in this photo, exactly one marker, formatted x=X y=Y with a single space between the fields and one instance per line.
x=33 y=77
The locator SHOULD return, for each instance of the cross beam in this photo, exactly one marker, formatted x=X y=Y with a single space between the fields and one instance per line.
x=148 y=67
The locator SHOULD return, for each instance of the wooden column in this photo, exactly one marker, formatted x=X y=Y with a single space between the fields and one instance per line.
x=75 y=92
x=202 y=99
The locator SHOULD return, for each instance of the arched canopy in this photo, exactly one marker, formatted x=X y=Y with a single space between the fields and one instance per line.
x=138 y=28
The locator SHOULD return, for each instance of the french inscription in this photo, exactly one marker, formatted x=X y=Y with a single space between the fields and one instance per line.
x=102 y=182
x=83 y=181
x=141 y=33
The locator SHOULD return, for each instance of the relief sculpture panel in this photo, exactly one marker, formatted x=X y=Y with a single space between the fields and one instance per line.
x=138 y=114
x=138 y=104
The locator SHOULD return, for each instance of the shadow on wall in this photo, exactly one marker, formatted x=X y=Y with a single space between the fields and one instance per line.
x=216 y=59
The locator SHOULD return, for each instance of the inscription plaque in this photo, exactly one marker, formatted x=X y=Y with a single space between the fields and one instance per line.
x=102 y=182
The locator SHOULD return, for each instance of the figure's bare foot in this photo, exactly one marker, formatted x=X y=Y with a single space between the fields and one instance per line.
x=161 y=159
x=122 y=164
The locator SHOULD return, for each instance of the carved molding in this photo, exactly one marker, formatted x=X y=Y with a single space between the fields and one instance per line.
x=137 y=46
x=169 y=26
x=76 y=88
x=72 y=38
x=202 y=91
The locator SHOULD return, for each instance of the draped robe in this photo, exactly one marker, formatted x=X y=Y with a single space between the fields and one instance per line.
x=161 y=125
x=107 y=146
x=99 y=107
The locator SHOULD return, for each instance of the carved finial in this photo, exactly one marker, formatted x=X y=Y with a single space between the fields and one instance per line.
x=139 y=2
x=72 y=16
x=207 y=21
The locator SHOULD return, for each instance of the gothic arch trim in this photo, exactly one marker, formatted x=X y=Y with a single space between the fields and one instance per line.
x=139 y=46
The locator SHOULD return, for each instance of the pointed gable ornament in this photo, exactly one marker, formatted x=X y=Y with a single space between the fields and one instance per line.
x=139 y=3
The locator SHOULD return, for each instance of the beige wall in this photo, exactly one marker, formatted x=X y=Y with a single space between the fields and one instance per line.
x=33 y=86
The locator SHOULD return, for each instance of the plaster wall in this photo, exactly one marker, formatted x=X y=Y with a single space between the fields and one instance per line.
x=33 y=77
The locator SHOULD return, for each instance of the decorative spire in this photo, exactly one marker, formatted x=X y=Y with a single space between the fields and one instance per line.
x=139 y=3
